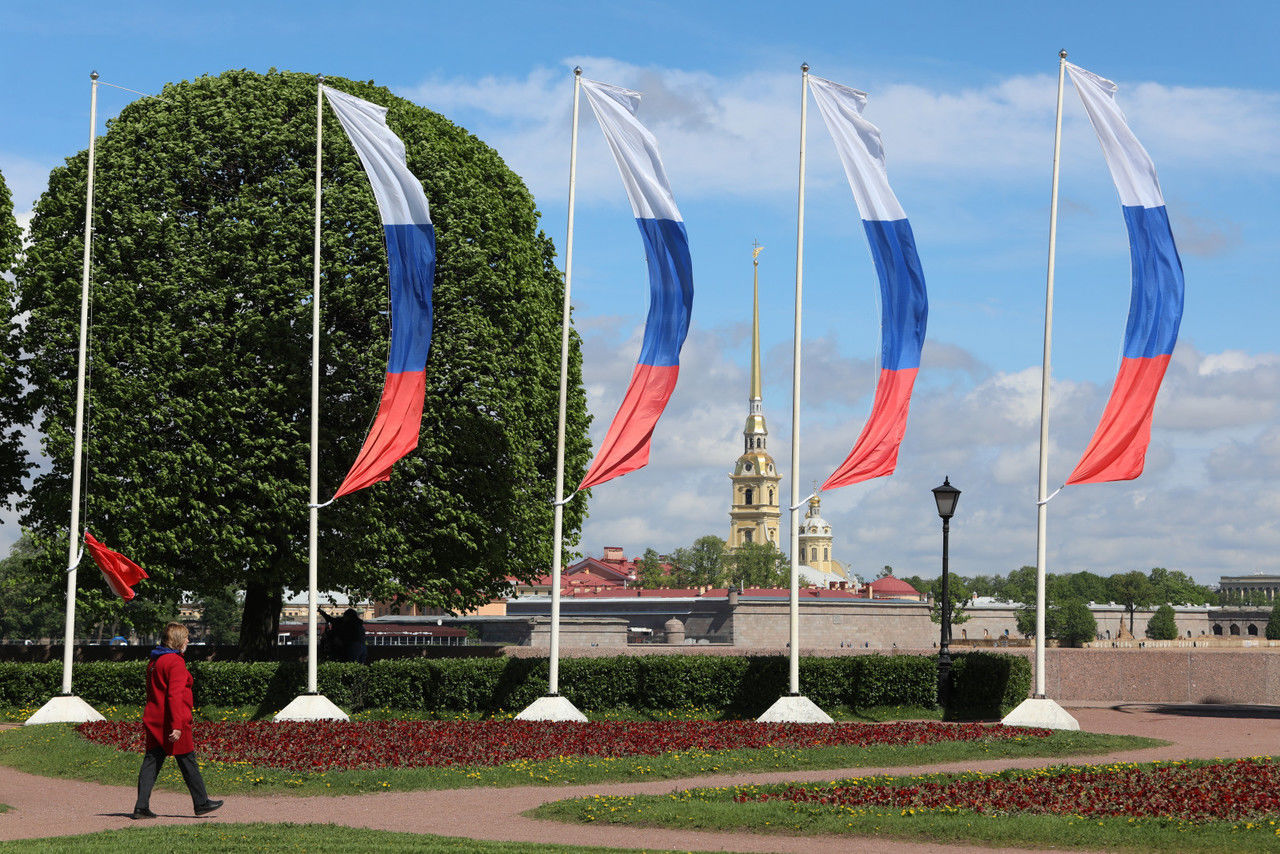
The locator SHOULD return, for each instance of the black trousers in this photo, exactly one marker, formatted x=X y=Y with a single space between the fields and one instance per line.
x=151 y=762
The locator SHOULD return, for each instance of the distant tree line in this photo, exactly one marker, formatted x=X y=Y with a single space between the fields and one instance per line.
x=708 y=563
x=1067 y=614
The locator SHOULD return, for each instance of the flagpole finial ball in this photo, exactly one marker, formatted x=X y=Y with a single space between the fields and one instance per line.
x=93 y=75
x=577 y=71
x=804 y=66
x=1062 y=54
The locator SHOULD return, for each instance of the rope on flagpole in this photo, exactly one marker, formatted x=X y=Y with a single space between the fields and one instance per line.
x=804 y=501
x=1049 y=497
x=127 y=89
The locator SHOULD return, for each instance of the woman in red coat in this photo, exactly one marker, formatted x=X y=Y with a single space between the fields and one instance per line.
x=167 y=719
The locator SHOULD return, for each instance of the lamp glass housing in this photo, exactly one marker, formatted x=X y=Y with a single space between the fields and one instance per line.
x=946 y=497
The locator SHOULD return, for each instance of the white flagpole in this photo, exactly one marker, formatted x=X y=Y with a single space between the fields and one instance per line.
x=792 y=707
x=1042 y=490
x=558 y=538
x=67 y=708
x=311 y=706
x=1039 y=710
x=794 y=619
x=73 y=544
x=313 y=510
x=553 y=707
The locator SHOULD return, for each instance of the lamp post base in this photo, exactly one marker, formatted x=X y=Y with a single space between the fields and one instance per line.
x=311 y=707
x=1040 y=712
x=794 y=709
x=64 y=709
x=552 y=707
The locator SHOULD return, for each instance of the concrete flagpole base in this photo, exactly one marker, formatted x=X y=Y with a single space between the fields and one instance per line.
x=794 y=709
x=64 y=709
x=1040 y=712
x=551 y=707
x=311 y=707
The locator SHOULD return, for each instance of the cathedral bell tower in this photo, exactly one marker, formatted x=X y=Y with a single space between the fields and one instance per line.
x=754 y=511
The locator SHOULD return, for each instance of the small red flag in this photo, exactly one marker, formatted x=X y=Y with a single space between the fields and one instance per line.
x=120 y=572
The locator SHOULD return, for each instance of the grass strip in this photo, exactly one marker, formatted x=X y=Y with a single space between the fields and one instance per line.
x=715 y=810
x=258 y=837
x=56 y=750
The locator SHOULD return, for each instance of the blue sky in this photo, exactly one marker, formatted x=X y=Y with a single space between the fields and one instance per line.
x=964 y=96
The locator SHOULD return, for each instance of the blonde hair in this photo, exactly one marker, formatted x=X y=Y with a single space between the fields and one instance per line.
x=173 y=635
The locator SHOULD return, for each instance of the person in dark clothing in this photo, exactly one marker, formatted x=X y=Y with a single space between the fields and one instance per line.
x=167 y=720
x=348 y=636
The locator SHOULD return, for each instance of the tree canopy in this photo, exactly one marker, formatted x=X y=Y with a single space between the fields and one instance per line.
x=197 y=437
x=13 y=458
x=1074 y=622
x=703 y=563
x=757 y=565
x=1162 y=625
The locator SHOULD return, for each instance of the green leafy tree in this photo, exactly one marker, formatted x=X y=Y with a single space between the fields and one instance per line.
x=758 y=565
x=1074 y=622
x=1273 y=624
x=1176 y=588
x=221 y=617
x=1025 y=619
x=703 y=563
x=957 y=591
x=26 y=612
x=1130 y=589
x=886 y=571
x=982 y=585
x=13 y=458
x=1162 y=625
x=649 y=573
x=1019 y=586
x=1085 y=586
x=921 y=585
x=197 y=441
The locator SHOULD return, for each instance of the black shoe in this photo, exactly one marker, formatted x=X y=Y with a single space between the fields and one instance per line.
x=143 y=812
x=208 y=807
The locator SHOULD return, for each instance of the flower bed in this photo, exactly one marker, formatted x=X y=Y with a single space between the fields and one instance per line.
x=1220 y=791
x=328 y=745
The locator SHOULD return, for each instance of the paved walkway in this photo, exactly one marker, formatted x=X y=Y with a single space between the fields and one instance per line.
x=48 y=807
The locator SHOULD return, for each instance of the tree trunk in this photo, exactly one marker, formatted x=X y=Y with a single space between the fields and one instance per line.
x=260 y=622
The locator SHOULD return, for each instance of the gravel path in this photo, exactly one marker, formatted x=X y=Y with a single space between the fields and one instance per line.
x=47 y=807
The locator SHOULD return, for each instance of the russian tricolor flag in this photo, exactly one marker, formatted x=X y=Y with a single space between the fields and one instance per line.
x=666 y=245
x=1119 y=446
x=411 y=259
x=904 y=303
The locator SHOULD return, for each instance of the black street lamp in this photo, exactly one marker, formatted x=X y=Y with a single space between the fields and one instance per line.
x=946 y=497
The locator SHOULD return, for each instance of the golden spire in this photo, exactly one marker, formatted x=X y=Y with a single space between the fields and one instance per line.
x=755 y=320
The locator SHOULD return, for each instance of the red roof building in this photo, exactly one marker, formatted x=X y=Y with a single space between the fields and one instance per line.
x=892 y=588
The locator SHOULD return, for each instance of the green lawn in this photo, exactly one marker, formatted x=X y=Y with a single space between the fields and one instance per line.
x=238 y=838
x=714 y=809
x=56 y=750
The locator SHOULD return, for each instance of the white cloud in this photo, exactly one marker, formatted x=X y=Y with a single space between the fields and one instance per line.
x=737 y=135
x=1206 y=503
x=26 y=180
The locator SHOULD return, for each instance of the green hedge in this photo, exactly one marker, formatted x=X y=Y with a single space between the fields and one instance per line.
x=987 y=685
x=736 y=686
